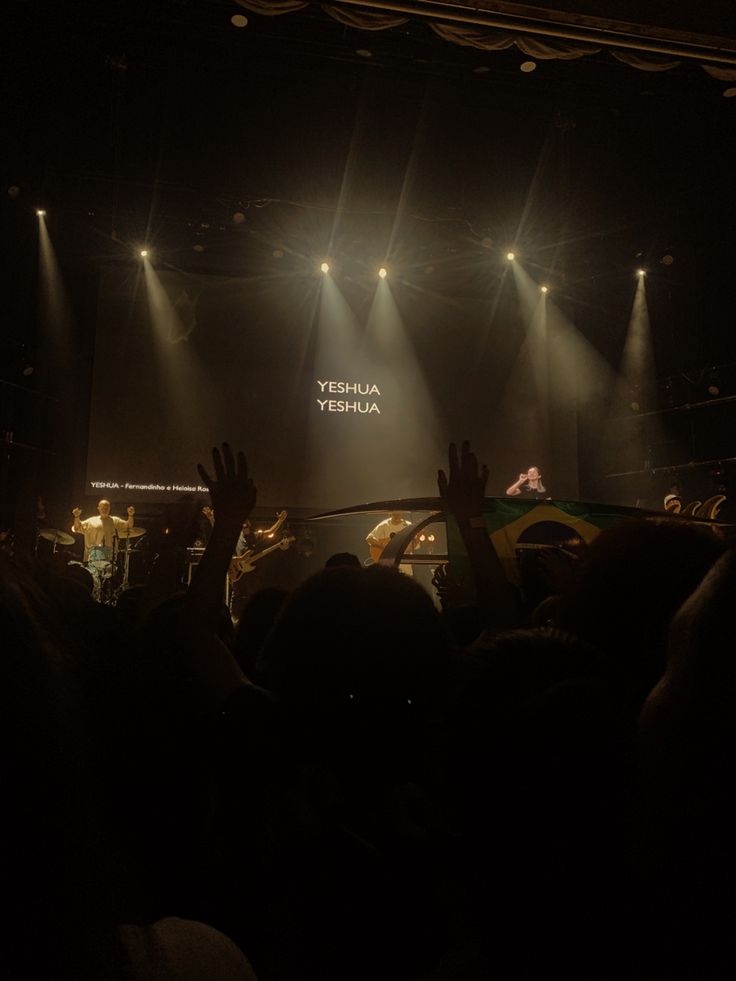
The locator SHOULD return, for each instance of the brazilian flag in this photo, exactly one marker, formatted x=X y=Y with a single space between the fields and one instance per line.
x=516 y=524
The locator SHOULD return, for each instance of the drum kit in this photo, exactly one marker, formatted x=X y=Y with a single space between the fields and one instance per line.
x=109 y=566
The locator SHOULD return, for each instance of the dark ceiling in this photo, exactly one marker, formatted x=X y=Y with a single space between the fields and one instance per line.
x=159 y=122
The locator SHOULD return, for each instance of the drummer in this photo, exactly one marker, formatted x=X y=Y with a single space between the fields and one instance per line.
x=99 y=532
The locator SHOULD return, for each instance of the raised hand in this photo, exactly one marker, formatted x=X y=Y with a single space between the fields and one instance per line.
x=449 y=591
x=463 y=493
x=232 y=491
x=77 y=512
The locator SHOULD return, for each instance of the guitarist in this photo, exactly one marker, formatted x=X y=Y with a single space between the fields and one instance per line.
x=251 y=541
x=381 y=535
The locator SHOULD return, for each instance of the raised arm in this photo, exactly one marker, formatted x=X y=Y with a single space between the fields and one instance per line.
x=233 y=496
x=462 y=494
x=515 y=488
x=280 y=519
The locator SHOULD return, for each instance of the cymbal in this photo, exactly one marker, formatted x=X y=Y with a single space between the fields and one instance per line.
x=131 y=532
x=56 y=536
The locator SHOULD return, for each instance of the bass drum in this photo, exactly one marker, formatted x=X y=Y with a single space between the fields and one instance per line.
x=100 y=558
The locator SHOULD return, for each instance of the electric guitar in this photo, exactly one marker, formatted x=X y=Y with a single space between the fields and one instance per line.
x=240 y=564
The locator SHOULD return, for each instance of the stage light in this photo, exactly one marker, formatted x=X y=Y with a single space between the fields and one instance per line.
x=382 y=272
x=325 y=267
x=41 y=212
x=238 y=20
x=511 y=256
x=143 y=253
x=641 y=272
x=544 y=289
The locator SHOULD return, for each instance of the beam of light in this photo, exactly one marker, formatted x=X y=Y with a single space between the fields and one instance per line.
x=325 y=267
x=556 y=379
x=511 y=256
x=637 y=361
x=631 y=434
x=340 y=447
x=144 y=253
x=383 y=272
x=41 y=212
x=185 y=388
x=410 y=433
x=544 y=289
x=524 y=406
x=56 y=370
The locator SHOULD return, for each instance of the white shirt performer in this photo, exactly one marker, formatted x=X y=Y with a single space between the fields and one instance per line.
x=381 y=535
x=100 y=530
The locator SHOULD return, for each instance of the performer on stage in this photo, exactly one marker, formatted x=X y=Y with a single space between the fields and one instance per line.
x=99 y=531
x=529 y=484
x=381 y=535
x=250 y=543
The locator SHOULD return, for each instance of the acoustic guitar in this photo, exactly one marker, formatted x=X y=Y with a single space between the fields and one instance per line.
x=241 y=564
x=376 y=551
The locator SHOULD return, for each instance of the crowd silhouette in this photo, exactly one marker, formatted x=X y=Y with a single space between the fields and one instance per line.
x=357 y=783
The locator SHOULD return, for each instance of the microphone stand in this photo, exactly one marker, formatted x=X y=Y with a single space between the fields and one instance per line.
x=113 y=564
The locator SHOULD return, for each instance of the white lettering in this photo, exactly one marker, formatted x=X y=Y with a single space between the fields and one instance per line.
x=347 y=388
x=339 y=405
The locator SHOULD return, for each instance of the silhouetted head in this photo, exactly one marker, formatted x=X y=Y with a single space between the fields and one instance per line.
x=630 y=582
x=342 y=559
